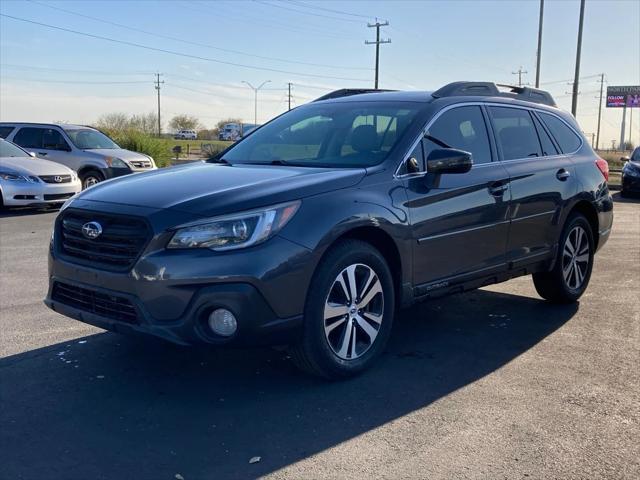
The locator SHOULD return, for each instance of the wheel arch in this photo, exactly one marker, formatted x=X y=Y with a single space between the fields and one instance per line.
x=382 y=241
x=588 y=210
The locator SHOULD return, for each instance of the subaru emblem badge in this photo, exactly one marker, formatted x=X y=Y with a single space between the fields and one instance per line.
x=92 y=230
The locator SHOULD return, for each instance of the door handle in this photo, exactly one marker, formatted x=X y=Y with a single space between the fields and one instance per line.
x=562 y=175
x=497 y=189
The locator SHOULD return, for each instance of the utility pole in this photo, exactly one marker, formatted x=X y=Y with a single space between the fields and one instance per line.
x=289 y=95
x=255 y=98
x=600 y=110
x=576 y=78
x=377 y=43
x=539 y=44
x=519 y=72
x=158 y=82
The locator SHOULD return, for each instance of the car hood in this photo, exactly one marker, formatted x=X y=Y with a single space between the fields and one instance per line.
x=207 y=189
x=120 y=153
x=33 y=166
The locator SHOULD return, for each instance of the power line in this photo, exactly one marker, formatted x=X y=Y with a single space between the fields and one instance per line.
x=305 y=29
x=190 y=42
x=302 y=12
x=315 y=7
x=65 y=70
x=80 y=82
x=377 y=43
x=176 y=53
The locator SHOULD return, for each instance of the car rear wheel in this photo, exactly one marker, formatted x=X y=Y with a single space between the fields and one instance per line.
x=572 y=270
x=90 y=178
x=348 y=313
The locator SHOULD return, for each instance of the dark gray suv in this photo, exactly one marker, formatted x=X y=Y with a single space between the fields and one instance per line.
x=313 y=230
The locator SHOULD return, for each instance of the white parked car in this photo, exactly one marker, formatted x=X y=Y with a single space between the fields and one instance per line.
x=84 y=149
x=29 y=181
x=186 y=135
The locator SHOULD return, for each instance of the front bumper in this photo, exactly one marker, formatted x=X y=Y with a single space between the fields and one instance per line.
x=257 y=323
x=631 y=183
x=17 y=194
x=173 y=291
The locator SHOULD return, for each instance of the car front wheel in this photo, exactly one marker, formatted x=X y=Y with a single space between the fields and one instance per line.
x=90 y=178
x=348 y=313
x=572 y=270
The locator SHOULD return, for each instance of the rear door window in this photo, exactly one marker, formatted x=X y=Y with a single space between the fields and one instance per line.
x=29 y=137
x=568 y=140
x=515 y=133
x=463 y=128
x=5 y=131
x=548 y=148
x=44 y=138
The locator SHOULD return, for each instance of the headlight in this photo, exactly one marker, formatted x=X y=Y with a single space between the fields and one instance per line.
x=235 y=231
x=631 y=170
x=115 y=162
x=13 y=177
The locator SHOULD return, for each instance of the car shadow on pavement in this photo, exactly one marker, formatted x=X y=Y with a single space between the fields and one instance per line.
x=108 y=406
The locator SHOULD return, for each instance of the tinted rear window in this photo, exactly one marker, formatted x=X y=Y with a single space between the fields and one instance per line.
x=5 y=131
x=565 y=137
x=516 y=133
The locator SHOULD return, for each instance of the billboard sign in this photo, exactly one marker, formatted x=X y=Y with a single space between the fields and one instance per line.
x=618 y=97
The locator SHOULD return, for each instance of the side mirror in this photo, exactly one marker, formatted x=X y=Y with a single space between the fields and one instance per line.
x=449 y=160
x=33 y=154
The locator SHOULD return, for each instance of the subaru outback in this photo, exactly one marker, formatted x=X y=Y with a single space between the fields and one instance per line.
x=315 y=229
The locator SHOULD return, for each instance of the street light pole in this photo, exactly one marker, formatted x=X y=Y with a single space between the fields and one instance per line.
x=255 y=98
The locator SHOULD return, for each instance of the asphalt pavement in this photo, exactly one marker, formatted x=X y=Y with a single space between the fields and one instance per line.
x=491 y=384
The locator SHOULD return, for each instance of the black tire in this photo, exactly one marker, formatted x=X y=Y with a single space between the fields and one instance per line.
x=554 y=285
x=314 y=353
x=90 y=178
x=623 y=193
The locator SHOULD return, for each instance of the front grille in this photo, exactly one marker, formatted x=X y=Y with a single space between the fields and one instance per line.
x=116 y=248
x=140 y=163
x=57 y=196
x=110 y=306
x=55 y=178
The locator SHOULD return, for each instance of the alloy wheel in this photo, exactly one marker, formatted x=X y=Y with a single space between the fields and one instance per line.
x=90 y=181
x=353 y=311
x=575 y=258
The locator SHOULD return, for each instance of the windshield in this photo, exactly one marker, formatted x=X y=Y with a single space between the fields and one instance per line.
x=345 y=134
x=87 y=139
x=635 y=157
x=10 y=150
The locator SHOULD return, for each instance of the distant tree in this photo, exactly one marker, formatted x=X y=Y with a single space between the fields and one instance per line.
x=118 y=122
x=146 y=123
x=113 y=122
x=184 y=122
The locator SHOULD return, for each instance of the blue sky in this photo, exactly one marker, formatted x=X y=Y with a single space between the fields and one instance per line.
x=49 y=74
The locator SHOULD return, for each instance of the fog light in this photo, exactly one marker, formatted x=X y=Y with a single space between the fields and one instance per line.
x=223 y=322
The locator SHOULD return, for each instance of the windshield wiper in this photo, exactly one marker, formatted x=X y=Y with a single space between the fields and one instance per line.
x=218 y=160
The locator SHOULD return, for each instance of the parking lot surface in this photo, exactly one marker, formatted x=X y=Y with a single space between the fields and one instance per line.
x=491 y=384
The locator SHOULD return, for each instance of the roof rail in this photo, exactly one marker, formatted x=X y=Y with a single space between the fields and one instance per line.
x=347 y=92
x=490 y=89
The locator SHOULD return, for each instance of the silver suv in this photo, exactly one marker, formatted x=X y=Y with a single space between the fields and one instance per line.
x=84 y=149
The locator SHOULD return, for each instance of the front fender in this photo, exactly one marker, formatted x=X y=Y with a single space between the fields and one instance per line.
x=324 y=219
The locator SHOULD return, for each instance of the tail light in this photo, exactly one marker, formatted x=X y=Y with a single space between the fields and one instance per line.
x=603 y=166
